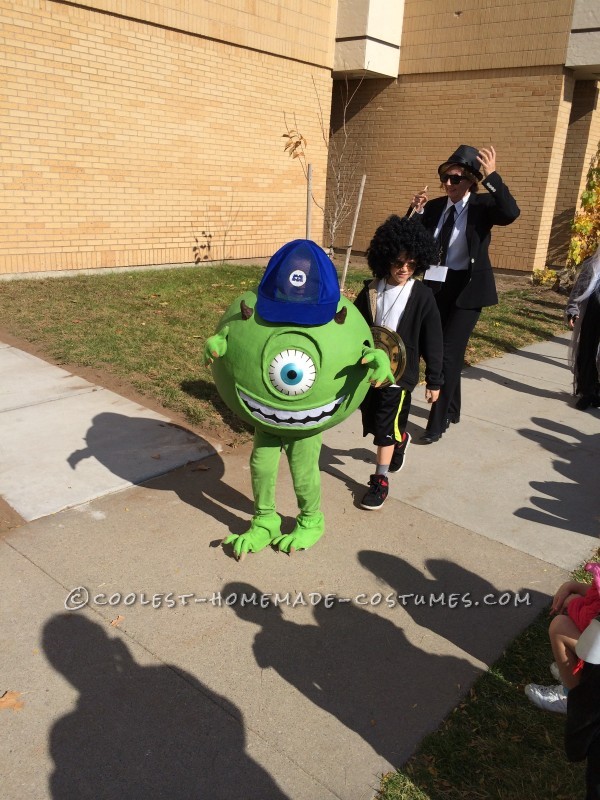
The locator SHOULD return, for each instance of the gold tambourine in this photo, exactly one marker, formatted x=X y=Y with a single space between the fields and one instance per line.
x=389 y=341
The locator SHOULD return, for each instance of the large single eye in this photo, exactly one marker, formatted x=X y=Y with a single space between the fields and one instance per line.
x=292 y=372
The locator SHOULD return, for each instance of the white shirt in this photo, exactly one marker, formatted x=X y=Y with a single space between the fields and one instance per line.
x=458 y=252
x=391 y=303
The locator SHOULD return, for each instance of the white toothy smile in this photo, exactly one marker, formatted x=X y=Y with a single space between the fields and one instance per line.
x=290 y=419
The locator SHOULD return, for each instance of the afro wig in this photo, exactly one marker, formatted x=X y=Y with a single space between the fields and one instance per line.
x=400 y=237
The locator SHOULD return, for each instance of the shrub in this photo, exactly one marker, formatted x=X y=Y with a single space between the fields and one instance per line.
x=585 y=227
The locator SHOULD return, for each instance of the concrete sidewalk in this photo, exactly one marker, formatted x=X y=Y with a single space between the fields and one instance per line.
x=207 y=697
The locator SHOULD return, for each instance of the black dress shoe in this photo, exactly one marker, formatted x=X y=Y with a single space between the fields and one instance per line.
x=430 y=438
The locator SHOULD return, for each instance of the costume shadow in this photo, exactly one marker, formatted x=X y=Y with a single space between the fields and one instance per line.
x=121 y=443
x=572 y=505
x=360 y=668
x=330 y=461
x=478 y=624
x=143 y=733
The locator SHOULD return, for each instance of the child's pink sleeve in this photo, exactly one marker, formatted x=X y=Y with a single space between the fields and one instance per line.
x=582 y=610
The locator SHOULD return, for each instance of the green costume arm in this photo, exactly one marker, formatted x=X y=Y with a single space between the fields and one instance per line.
x=378 y=366
x=216 y=346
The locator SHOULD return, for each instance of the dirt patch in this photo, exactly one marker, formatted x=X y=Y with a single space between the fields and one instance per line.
x=506 y=282
x=9 y=519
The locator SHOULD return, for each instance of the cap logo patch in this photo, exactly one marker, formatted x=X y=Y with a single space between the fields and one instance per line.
x=298 y=277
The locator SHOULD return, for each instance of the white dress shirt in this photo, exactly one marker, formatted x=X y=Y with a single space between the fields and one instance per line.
x=391 y=302
x=457 y=257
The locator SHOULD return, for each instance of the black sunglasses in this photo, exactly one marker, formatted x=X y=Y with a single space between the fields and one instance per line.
x=404 y=262
x=454 y=179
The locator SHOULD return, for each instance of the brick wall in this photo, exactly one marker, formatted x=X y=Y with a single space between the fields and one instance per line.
x=444 y=36
x=564 y=101
x=125 y=141
x=583 y=139
x=298 y=29
x=409 y=126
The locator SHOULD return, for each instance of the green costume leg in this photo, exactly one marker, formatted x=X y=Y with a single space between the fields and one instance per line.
x=264 y=465
x=266 y=523
x=303 y=457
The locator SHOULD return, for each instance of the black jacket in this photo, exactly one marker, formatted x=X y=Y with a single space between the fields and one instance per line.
x=420 y=329
x=496 y=207
x=582 y=731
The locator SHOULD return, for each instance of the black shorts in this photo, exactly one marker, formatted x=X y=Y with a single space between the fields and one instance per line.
x=385 y=414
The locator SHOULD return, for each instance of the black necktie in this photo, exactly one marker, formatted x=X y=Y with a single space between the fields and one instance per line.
x=445 y=234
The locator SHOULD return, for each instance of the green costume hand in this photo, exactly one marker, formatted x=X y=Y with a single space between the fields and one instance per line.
x=216 y=346
x=378 y=366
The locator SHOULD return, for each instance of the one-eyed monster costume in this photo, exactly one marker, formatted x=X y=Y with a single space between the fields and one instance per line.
x=292 y=358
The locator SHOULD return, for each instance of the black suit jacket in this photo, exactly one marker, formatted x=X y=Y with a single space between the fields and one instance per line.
x=582 y=730
x=496 y=207
x=420 y=328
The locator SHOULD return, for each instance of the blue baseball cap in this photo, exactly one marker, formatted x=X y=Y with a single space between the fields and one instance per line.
x=300 y=286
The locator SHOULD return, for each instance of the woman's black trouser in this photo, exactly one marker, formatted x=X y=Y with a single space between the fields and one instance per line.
x=457 y=325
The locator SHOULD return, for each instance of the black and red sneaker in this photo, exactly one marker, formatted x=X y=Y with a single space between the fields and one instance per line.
x=399 y=453
x=378 y=491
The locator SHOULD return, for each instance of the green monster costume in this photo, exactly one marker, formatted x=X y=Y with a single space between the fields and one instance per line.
x=292 y=358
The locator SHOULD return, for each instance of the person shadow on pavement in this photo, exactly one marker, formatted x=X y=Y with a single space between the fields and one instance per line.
x=457 y=604
x=505 y=380
x=135 y=448
x=570 y=504
x=360 y=668
x=143 y=732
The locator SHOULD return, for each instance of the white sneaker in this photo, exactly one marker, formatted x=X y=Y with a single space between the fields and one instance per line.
x=550 y=698
x=554 y=671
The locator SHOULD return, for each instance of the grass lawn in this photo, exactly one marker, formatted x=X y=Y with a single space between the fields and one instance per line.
x=147 y=329
x=496 y=745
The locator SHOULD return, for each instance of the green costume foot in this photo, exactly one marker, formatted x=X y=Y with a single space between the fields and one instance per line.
x=307 y=532
x=263 y=529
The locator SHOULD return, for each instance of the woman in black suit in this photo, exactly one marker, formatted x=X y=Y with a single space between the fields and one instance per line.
x=461 y=223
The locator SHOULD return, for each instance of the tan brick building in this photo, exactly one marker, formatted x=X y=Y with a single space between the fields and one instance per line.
x=150 y=132
x=519 y=74
x=140 y=132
